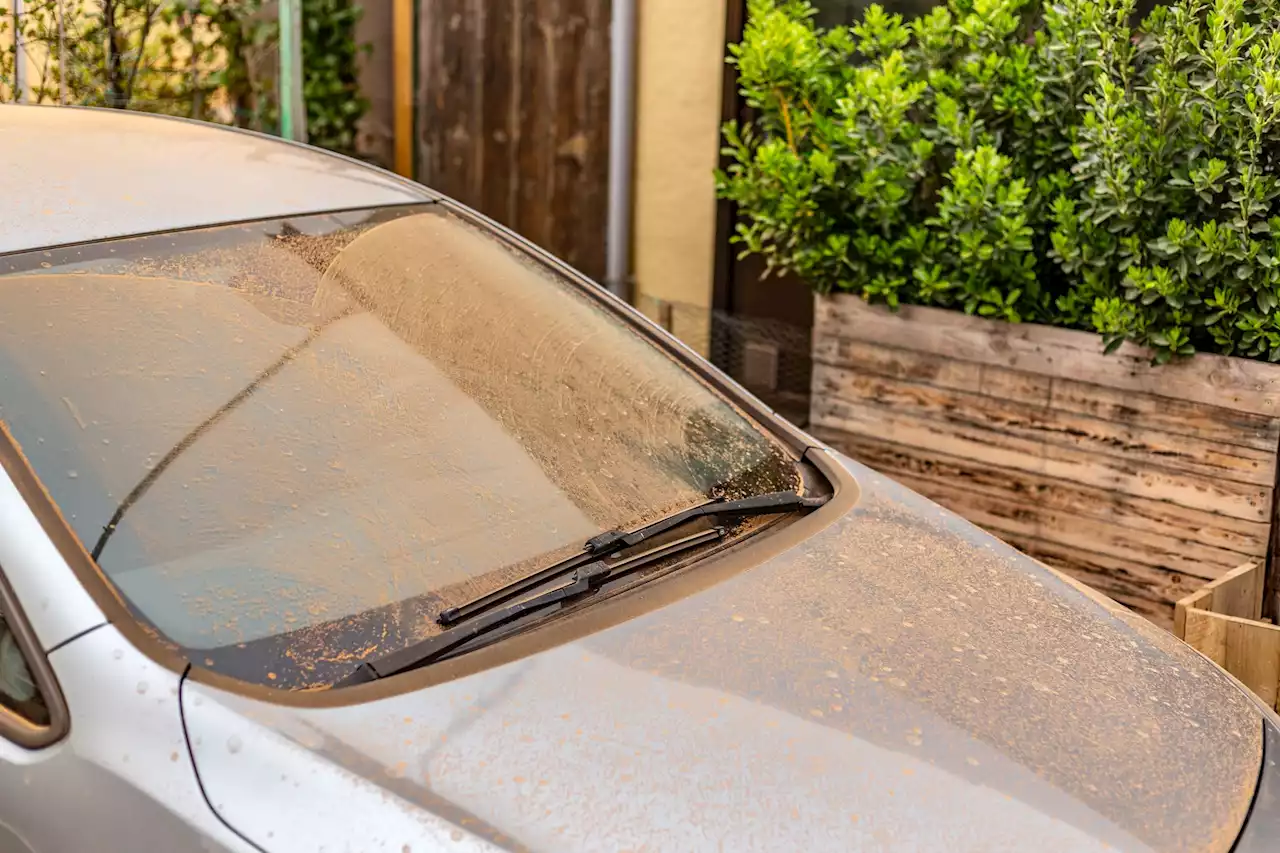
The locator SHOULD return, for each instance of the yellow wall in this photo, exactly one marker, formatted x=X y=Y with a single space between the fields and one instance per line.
x=680 y=74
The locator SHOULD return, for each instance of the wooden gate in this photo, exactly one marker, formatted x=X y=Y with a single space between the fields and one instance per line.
x=513 y=116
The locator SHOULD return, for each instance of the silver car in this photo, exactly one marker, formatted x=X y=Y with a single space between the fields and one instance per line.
x=335 y=517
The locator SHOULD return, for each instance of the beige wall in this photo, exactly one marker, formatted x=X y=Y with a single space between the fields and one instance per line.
x=681 y=71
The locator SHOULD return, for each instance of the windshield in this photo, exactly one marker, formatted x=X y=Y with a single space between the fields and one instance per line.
x=304 y=438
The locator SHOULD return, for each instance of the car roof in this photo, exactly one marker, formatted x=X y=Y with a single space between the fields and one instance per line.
x=75 y=174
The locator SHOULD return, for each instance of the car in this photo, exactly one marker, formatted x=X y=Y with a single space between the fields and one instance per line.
x=334 y=516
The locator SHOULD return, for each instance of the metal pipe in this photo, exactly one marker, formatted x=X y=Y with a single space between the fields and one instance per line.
x=622 y=91
x=293 y=109
x=62 y=51
x=20 y=90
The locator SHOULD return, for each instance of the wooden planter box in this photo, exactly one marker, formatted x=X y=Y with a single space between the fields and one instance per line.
x=1144 y=482
x=1223 y=622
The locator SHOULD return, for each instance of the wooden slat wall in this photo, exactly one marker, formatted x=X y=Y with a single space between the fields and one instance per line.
x=513 y=116
x=1143 y=483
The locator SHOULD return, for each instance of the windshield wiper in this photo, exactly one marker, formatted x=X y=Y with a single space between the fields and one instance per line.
x=590 y=569
x=598 y=547
x=585 y=579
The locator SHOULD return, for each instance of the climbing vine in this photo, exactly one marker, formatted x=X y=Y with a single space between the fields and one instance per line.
x=330 y=61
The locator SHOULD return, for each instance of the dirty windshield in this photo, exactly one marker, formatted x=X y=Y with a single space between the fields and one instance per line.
x=303 y=438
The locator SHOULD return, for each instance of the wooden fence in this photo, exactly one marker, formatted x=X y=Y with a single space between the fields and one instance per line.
x=513 y=116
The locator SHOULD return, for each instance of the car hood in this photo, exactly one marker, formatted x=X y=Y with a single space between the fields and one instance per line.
x=898 y=681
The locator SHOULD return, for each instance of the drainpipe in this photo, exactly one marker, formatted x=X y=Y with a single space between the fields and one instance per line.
x=62 y=51
x=20 y=93
x=622 y=90
x=293 y=109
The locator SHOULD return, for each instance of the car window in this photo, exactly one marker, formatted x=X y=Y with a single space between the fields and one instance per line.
x=289 y=443
x=32 y=711
x=19 y=692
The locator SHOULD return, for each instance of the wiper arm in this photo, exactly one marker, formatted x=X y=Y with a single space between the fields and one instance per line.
x=586 y=578
x=610 y=542
x=590 y=570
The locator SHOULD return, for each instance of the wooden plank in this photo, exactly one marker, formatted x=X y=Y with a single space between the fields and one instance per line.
x=1201 y=600
x=1271 y=565
x=582 y=137
x=1010 y=516
x=538 y=112
x=1238 y=593
x=1232 y=383
x=1138 y=446
x=451 y=42
x=590 y=199
x=500 y=117
x=1166 y=414
x=995 y=447
x=1253 y=655
x=1219 y=620
x=1207 y=633
x=1246 y=538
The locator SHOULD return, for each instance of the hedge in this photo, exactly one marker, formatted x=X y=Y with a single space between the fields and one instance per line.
x=1060 y=163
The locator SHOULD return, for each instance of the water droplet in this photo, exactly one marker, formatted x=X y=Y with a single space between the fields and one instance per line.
x=142 y=687
x=117 y=654
x=73 y=474
x=234 y=744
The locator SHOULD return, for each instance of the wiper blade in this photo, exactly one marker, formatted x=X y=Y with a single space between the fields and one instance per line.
x=586 y=579
x=613 y=541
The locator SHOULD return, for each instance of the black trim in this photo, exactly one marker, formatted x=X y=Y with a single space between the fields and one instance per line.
x=731 y=108
x=69 y=640
x=195 y=770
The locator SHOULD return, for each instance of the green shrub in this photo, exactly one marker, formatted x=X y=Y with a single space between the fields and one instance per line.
x=1024 y=160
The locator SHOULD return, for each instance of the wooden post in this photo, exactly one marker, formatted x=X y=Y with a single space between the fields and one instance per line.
x=402 y=75
x=1270 y=605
